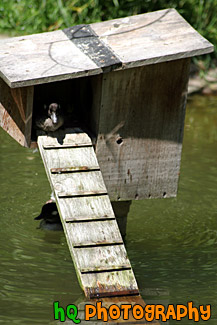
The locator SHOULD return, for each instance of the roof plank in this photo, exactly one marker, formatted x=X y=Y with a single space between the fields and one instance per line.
x=84 y=50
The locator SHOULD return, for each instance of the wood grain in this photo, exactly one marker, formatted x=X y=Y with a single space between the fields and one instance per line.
x=74 y=183
x=116 y=283
x=154 y=37
x=42 y=58
x=16 y=112
x=86 y=208
x=94 y=233
x=114 y=256
x=140 y=135
x=77 y=160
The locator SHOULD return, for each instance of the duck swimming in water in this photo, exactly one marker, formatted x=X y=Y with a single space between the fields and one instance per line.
x=52 y=120
x=49 y=216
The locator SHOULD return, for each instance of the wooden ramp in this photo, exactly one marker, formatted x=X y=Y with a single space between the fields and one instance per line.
x=92 y=233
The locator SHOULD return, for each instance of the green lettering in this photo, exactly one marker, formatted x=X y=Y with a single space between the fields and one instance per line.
x=72 y=315
x=59 y=310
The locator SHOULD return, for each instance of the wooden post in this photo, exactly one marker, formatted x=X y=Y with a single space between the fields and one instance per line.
x=121 y=210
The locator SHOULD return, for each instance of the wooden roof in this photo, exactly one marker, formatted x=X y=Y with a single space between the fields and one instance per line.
x=100 y=47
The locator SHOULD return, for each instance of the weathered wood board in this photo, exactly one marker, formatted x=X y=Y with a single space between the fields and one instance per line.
x=86 y=50
x=88 y=220
x=140 y=130
x=16 y=112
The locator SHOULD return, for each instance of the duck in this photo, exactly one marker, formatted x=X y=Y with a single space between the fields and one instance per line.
x=52 y=120
x=49 y=216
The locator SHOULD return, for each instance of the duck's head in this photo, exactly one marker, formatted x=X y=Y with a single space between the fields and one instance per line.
x=53 y=112
x=49 y=213
x=49 y=216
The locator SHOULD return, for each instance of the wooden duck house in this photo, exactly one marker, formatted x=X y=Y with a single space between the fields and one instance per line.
x=124 y=82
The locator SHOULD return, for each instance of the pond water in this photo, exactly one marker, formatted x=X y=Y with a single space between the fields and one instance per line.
x=172 y=243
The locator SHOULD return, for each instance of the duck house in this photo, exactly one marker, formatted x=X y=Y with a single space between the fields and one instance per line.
x=122 y=85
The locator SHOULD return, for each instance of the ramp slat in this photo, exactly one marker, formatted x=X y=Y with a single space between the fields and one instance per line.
x=72 y=220
x=76 y=145
x=86 y=213
x=99 y=244
x=103 y=257
x=73 y=169
x=109 y=283
x=88 y=220
x=80 y=157
x=72 y=184
x=81 y=193
x=109 y=268
x=82 y=208
x=67 y=137
x=94 y=232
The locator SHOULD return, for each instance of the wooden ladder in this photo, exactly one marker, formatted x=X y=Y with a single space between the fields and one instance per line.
x=92 y=233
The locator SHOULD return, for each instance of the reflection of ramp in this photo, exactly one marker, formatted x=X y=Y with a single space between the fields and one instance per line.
x=92 y=233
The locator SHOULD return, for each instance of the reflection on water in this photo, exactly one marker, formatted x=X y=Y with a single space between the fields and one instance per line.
x=172 y=243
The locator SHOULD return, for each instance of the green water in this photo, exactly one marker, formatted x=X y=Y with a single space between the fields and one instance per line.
x=172 y=243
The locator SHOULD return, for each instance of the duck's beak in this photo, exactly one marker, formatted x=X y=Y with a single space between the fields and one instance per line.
x=38 y=217
x=54 y=117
